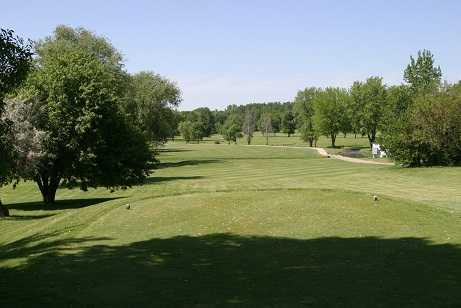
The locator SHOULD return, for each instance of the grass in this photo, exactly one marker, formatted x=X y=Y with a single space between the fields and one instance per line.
x=230 y=225
x=343 y=143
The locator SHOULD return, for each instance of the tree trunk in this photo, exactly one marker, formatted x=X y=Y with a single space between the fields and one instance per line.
x=333 y=140
x=4 y=210
x=371 y=138
x=267 y=139
x=311 y=141
x=48 y=186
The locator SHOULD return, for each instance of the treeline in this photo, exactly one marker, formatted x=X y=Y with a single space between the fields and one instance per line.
x=71 y=115
x=417 y=123
x=203 y=122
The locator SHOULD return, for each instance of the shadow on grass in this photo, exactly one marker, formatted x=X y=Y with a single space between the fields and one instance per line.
x=167 y=150
x=27 y=217
x=59 y=204
x=158 y=179
x=232 y=270
x=186 y=163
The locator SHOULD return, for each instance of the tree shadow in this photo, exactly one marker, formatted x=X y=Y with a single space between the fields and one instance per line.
x=159 y=179
x=233 y=270
x=44 y=243
x=186 y=163
x=169 y=150
x=27 y=217
x=59 y=204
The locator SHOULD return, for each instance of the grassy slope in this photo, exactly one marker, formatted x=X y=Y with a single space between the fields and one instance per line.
x=221 y=224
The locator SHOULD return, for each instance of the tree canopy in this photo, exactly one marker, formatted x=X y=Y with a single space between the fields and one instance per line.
x=368 y=106
x=15 y=61
x=148 y=103
x=76 y=88
x=421 y=73
x=330 y=107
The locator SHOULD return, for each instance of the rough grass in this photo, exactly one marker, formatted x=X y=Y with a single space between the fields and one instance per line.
x=228 y=225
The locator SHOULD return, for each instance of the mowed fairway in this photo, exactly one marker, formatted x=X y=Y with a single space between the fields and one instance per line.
x=232 y=225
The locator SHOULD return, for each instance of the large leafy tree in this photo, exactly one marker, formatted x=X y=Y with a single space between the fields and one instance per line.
x=421 y=73
x=330 y=107
x=76 y=88
x=203 y=120
x=368 y=106
x=429 y=132
x=15 y=60
x=149 y=102
x=304 y=110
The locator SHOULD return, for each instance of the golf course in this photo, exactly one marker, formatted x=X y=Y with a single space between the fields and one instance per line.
x=235 y=225
x=230 y=154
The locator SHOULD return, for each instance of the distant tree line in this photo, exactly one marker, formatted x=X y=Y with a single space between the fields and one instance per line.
x=236 y=120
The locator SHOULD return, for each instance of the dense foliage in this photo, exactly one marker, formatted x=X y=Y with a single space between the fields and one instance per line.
x=330 y=108
x=367 y=107
x=80 y=119
x=428 y=132
x=148 y=104
x=15 y=61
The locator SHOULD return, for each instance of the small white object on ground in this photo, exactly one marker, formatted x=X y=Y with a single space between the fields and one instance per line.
x=128 y=206
x=375 y=198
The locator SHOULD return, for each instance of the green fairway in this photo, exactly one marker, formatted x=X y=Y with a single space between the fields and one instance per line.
x=343 y=143
x=232 y=225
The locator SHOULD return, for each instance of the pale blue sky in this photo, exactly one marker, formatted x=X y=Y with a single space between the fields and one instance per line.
x=235 y=52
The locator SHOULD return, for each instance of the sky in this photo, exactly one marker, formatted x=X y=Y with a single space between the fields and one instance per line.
x=244 y=51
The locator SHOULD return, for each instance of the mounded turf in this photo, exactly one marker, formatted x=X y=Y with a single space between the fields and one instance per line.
x=229 y=225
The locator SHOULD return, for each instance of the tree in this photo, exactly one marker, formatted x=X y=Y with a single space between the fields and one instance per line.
x=76 y=87
x=276 y=122
x=249 y=125
x=304 y=110
x=197 y=131
x=205 y=119
x=266 y=126
x=185 y=129
x=330 y=107
x=149 y=102
x=15 y=61
x=309 y=133
x=368 y=106
x=288 y=123
x=428 y=132
x=421 y=74
x=231 y=130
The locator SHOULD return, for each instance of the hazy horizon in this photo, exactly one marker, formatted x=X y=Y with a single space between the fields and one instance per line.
x=239 y=52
